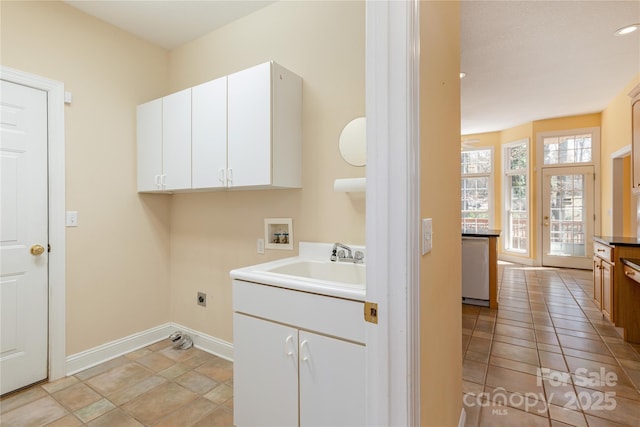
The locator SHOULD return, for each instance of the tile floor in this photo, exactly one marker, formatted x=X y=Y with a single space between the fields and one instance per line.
x=154 y=386
x=546 y=356
x=536 y=361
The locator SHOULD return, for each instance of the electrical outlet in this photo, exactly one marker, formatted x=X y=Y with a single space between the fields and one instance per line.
x=202 y=299
x=260 y=246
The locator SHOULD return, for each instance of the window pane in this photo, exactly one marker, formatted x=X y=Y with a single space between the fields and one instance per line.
x=517 y=215
x=517 y=157
x=476 y=161
x=568 y=149
x=475 y=202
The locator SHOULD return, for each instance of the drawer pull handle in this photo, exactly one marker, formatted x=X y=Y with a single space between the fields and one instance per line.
x=630 y=273
x=600 y=250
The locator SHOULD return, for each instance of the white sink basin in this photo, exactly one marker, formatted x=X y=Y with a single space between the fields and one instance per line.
x=340 y=272
x=311 y=271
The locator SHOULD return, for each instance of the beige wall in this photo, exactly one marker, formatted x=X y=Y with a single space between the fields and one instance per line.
x=213 y=233
x=616 y=133
x=440 y=281
x=117 y=258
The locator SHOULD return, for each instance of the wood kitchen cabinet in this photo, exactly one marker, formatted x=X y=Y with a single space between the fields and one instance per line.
x=610 y=289
x=603 y=278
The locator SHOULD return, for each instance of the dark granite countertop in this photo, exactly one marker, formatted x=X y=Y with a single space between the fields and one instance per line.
x=472 y=232
x=617 y=240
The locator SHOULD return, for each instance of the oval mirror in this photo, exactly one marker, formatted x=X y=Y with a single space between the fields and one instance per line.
x=353 y=142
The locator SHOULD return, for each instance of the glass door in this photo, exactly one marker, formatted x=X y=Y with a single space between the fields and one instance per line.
x=568 y=216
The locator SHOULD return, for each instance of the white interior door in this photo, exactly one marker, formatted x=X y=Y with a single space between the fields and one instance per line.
x=23 y=236
x=568 y=216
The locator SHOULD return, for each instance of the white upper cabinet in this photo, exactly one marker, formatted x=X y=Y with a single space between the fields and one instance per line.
x=239 y=131
x=164 y=143
x=265 y=127
x=209 y=134
x=176 y=141
x=149 y=135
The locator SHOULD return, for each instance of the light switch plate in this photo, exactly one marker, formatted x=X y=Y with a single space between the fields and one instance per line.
x=72 y=219
x=427 y=236
x=260 y=246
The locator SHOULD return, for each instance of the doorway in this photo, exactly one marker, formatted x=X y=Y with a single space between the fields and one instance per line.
x=568 y=192
x=55 y=164
x=624 y=221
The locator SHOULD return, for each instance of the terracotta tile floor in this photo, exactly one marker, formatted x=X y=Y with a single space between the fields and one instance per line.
x=547 y=357
x=154 y=386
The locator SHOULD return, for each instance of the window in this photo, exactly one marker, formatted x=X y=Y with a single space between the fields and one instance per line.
x=476 y=169
x=567 y=149
x=516 y=197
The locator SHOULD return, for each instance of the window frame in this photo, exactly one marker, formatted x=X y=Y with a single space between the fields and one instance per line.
x=490 y=189
x=506 y=194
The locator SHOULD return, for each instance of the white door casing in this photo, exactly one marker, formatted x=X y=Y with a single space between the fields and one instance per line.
x=23 y=236
x=56 y=207
x=393 y=212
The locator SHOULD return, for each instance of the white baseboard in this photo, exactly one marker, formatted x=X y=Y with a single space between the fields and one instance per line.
x=208 y=343
x=102 y=353
x=463 y=418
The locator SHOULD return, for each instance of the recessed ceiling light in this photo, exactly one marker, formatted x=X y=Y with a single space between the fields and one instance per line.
x=627 y=30
x=463 y=75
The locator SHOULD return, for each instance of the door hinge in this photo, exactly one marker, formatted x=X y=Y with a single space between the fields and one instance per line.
x=48 y=247
x=371 y=312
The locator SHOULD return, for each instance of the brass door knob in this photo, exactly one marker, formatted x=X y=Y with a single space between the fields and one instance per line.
x=37 y=250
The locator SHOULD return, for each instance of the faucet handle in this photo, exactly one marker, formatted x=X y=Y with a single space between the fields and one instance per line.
x=334 y=257
x=358 y=257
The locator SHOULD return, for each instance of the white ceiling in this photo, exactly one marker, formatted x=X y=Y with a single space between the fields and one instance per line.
x=532 y=60
x=169 y=23
x=525 y=60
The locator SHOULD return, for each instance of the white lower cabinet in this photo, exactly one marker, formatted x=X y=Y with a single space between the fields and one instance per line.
x=265 y=377
x=285 y=375
x=331 y=381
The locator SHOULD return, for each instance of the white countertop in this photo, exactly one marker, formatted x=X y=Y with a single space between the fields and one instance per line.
x=309 y=252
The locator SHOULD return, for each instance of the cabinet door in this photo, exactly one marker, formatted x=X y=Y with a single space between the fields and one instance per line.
x=176 y=140
x=597 y=281
x=149 y=145
x=607 y=290
x=332 y=381
x=249 y=131
x=265 y=373
x=209 y=134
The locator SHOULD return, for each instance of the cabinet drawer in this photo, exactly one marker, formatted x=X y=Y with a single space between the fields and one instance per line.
x=632 y=273
x=337 y=317
x=603 y=251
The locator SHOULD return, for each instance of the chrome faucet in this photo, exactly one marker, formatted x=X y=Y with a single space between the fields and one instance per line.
x=341 y=256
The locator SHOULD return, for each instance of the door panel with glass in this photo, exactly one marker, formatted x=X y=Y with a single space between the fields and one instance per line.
x=567 y=216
